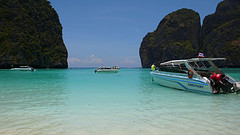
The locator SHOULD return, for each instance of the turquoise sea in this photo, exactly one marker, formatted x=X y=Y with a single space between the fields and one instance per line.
x=80 y=102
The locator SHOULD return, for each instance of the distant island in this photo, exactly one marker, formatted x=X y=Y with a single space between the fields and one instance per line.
x=31 y=34
x=180 y=35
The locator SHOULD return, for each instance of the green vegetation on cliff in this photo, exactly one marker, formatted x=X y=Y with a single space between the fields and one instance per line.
x=176 y=37
x=30 y=34
x=220 y=33
x=180 y=35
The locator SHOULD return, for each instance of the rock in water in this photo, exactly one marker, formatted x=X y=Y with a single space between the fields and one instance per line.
x=221 y=33
x=31 y=34
x=176 y=37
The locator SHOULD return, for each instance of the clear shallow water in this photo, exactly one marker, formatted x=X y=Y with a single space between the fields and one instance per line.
x=80 y=102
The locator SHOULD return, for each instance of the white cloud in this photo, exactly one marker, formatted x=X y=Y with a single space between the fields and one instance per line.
x=94 y=59
x=91 y=61
x=74 y=60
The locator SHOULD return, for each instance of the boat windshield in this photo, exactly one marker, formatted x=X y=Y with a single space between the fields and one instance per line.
x=104 y=67
x=204 y=68
x=201 y=65
x=174 y=67
x=115 y=67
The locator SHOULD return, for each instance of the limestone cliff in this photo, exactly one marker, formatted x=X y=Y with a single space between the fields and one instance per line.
x=220 y=34
x=176 y=37
x=179 y=35
x=30 y=34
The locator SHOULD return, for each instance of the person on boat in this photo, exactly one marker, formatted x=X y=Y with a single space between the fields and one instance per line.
x=153 y=67
x=217 y=77
x=218 y=80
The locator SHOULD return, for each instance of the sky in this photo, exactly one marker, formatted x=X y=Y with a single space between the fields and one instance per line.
x=110 y=32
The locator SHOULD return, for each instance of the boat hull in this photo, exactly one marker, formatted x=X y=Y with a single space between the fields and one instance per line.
x=22 y=69
x=107 y=70
x=181 y=82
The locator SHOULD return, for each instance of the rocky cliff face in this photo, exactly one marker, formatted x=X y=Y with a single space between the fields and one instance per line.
x=176 y=37
x=30 y=34
x=220 y=34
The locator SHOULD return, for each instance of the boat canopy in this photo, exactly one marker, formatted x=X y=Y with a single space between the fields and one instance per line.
x=178 y=62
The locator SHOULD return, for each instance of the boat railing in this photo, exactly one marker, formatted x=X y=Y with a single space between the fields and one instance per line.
x=231 y=79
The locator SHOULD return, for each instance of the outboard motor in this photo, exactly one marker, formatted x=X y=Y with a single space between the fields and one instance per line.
x=236 y=86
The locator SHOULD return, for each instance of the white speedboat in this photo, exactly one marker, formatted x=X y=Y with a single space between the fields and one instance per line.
x=23 y=68
x=194 y=75
x=106 y=69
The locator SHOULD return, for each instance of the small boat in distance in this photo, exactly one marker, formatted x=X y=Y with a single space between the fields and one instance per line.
x=106 y=69
x=195 y=75
x=23 y=68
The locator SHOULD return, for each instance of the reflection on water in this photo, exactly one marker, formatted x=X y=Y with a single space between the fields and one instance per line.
x=78 y=101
